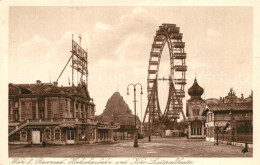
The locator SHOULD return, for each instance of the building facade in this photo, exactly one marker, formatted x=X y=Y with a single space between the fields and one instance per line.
x=194 y=108
x=45 y=112
x=230 y=120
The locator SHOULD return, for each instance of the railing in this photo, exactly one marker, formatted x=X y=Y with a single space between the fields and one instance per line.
x=19 y=126
x=58 y=119
x=241 y=138
x=22 y=123
x=53 y=120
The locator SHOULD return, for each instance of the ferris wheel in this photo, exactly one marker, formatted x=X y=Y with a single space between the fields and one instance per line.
x=170 y=34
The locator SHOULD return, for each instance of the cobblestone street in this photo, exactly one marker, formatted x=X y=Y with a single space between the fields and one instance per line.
x=158 y=147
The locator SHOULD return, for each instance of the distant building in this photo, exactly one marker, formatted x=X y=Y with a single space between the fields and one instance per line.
x=230 y=119
x=194 y=108
x=44 y=112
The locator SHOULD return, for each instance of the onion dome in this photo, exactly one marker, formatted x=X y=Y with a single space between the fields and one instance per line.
x=195 y=91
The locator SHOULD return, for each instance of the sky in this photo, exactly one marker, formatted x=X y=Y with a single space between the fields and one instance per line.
x=219 y=47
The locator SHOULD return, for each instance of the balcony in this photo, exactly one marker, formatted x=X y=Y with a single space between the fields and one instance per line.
x=179 y=55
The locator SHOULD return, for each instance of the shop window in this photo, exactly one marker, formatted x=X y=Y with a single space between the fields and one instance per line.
x=23 y=135
x=57 y=134
x=82 y=135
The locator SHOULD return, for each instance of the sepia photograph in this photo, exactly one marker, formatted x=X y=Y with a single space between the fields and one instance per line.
x=130 y=84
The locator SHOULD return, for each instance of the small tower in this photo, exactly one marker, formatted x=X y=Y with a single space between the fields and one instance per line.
x=195 y=106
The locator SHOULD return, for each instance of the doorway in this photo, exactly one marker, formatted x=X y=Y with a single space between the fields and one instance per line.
x=36 y=137
x=70 y=137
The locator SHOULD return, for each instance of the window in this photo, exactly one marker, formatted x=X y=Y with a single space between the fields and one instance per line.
x=23 y=135
x=82 y=135
x=66 y=102
x=28 y=110
x=82 y=111
x=16 y=105
x=195 y=111
x=16 y=115
x=196 y=127
x=71 y=106
x=41 y=105
x=57 y=133
x=47 y=133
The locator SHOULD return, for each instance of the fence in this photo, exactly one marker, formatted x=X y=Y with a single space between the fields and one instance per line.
x=241 y=138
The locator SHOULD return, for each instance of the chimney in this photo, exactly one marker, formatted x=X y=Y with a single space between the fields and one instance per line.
x=38 y=82
x=55 y=83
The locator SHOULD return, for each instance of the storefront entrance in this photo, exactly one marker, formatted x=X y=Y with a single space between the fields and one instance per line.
x=70 y=136
x=36 y=137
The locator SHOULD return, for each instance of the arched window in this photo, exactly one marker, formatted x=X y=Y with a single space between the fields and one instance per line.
x=82 y=135
x=57 y=134
x=196 y=111
x=23 y=135
x=196 y=127
x=47 y=133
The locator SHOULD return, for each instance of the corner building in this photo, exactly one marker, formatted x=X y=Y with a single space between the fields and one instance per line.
x=44 y=112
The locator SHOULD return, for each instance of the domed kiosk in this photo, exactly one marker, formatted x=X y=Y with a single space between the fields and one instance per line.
x=194 y=108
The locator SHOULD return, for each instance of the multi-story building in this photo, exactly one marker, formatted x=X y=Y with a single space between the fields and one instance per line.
x=230 y=119
x=194 y=110
x=45 y=112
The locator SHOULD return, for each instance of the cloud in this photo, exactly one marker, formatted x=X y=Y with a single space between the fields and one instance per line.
x=213 y=33
x=102 y=26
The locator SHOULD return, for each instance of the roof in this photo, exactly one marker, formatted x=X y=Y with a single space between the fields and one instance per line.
x=50 y=89
x=195 y=91
x=230 y=106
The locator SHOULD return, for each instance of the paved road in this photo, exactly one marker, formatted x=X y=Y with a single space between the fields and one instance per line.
x=160 y=147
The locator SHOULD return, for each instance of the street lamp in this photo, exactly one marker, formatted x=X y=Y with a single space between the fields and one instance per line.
x=231 y=126
x=217 y=128
x=134 y=85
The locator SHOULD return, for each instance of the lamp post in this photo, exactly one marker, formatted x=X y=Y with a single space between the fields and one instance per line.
x=217 y=128
x=231 y=127
x=134 y=85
